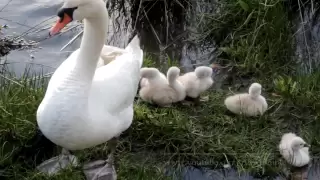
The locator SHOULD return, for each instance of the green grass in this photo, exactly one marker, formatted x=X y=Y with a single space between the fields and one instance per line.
x=257 y=41
x=255 y=36
x=178 y=135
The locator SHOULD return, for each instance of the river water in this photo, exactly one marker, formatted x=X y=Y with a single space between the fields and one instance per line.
x=22 y=15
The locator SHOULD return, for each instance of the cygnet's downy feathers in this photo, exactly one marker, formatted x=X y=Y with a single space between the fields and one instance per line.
x=203 y=72
x=172 y=75
x=156 y=90
x=249 y=104
x=197 y=82
x=294 y=150
x=151 y=73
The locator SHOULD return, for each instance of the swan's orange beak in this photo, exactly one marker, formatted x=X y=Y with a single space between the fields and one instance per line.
x=61 y=23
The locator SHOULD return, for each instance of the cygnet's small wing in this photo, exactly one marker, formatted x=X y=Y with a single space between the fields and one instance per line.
x=233 y=103
x=159 y=94
x=143 y=82
x=189 y=81
x=288 y=137
x=164 y=98
x=285 y=144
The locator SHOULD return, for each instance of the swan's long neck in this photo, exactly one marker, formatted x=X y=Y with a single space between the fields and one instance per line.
x=95 y=31
x=77 y=81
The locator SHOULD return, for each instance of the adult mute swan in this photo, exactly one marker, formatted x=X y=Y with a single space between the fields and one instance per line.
x=249 y=104
x=294 y=150
x=108 y=54
x=85 y=106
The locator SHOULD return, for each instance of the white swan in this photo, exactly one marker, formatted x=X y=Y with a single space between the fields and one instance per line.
x=197 y=82
x=249 y=104
x=172 y=75
x=294 y=150
x=84 y=105
x=108 y=54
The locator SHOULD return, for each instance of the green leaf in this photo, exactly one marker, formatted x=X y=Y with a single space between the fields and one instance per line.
x=244 y=5
x=226 y=50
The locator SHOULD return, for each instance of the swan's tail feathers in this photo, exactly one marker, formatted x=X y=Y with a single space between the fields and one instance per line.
x=134 y=48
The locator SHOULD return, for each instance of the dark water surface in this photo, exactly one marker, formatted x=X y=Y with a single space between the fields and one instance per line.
x=21 y=16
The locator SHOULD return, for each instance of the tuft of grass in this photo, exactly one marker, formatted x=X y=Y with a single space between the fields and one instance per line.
x=148 y=61
x=253 y=35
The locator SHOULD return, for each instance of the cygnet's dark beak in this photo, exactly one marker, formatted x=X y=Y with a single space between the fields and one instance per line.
x=307 y=145
x=215 y=68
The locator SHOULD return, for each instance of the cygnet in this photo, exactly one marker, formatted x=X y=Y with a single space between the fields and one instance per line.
x=172 y=75
x=294 y=150
x=161 y=78
x=249 y=104
x=156 y=90
x=197 y=82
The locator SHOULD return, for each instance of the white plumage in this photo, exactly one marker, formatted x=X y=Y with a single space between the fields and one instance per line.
x=294 y=150
x=249 y=104
x=197 y=82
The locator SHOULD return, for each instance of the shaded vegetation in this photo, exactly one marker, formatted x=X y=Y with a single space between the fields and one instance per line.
x=255 y=36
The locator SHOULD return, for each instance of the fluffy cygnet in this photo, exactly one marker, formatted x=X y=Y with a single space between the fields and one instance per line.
x=197 y=82
x=156 y=90
x=249 y=104
x=172 y=75
x=144 y=81
x=294 y=150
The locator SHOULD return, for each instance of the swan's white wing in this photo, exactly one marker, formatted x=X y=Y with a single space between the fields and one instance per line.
x=115 y=85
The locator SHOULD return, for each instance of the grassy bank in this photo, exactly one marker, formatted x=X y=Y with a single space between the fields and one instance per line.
x=200 y=134
x=256 y=40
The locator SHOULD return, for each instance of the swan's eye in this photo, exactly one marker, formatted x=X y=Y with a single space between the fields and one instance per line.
x=68 y=11
x=65 y=17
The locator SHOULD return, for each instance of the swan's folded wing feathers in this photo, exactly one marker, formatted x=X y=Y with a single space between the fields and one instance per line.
x=115 y=85
x=109 y=53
